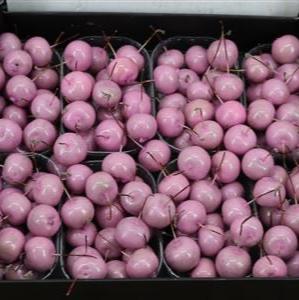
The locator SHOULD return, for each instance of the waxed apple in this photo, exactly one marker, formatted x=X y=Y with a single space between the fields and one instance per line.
x=20 y=90
x=215 y=219
x=207 y=134
x=17 y=271
x=39 y=254
x=222 y=54
x=99 y=59
x=255 y=69
x=110 y=135
x=17 y=168
x=171 y=57
x=199 y=90
x=279 y=174
x=9 y=42
x=46 y=106
x=39 y=135
x=40 y=51
x=166 y=79
x=275 y=91
x=48 y=189
x=230 y=113
x=17 y=62
x=87 y=267
x=12 y=243
x=239 y=139
x=76 y=253
x=106 y=243
x=76 y=86
x=70 y=149
x=194 y=162
x=288 y=112
x=133 y=196
x=78 y=55
x=290 y=217
x=120 y=165
x=116 y=269
x=254 y=92
x=182 y=254
x=233 y=262
x=293 y=265
x=78 y=116
x=191 y=214
x=76 y=178
x=225 y=166
x=196 y=59
x=197 y=111
x=207 y=193
x=246 y=231
x=132 y=233
x=45 y=78
x=123 y=70
x=82 y=236
x=132 y=53
x=232 y=190
x=143 y=263
x=285 y=49
x=260 y=114
x=234 y=208
x=289 y=73
x=175 y=100
x=210 y=240
x=141 y=127
x=281 y=241
x=204 y=269
x=10 y=135
x=176 y=186
x=185 y=78
x=228 y=87
x=163 y=205
x=77 y=211
x=170 y=121
x=269 y=266
x=101 y=188
x=257 y=163
x=183 y=140
x=106 y=93
x=43 y=220
x=109 y=215
x=16 y=207
x=269 y=192
x=154 y=155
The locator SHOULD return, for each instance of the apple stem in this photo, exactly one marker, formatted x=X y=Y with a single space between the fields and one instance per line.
x=181 y=191
x=156 y=32
x=288 y=79
x=65 y=40
x=108 y=39
x=71 y=287
x=242 y=224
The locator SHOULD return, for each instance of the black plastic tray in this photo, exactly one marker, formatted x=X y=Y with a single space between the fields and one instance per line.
x=116 y=42
x=255 y=252
x=183 y=43
x=41 y=162
x=155 y=242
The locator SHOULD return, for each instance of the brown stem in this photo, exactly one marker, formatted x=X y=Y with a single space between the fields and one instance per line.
x=65 y=40
x=288 y=79
x=155 y=33
x=71 y=287
x=242 y=224
x=181 y=191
